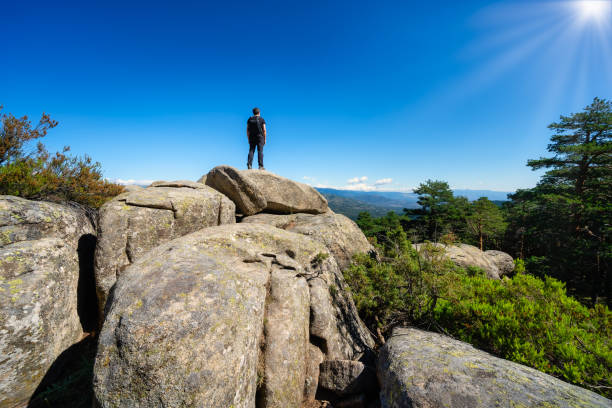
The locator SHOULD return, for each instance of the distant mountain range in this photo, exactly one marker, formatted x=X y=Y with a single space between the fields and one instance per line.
x=378 y=203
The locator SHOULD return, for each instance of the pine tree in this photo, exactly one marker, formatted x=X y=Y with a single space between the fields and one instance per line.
x=434 y=197
x=485 y=221
x=572 y=204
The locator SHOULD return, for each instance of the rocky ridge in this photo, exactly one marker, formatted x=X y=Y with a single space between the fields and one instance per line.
x=228 y=292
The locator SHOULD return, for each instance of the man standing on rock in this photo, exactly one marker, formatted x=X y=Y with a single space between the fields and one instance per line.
x=256 y=134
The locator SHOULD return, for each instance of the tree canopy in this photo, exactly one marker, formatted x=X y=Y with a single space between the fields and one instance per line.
x=32 y=172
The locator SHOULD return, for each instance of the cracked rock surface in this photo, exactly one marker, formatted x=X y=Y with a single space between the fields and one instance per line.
x=39 y=273
x=135 y=222
x=225 y=317
x=338 y=233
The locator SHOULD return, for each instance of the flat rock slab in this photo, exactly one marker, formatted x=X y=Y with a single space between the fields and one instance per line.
x=180 y=184
x=424 y=369
x=135 y=222
x=339 y=234
x=255 y=191
x=39 y=276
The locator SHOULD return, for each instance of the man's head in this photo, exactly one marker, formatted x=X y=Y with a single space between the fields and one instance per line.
x=255 y=111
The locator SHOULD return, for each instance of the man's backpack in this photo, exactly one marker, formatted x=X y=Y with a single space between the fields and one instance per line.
x=258 y=123
x=258 y=119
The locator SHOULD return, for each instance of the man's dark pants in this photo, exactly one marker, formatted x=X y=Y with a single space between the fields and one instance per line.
x=259 y=143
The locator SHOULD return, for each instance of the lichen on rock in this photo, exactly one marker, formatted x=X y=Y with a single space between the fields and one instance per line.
x=424 y=369
x=133 y=223
x=191 y=315
x=39 y=302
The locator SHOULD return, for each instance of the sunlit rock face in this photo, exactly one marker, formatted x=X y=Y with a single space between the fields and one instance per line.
x=339 y=234
x=40 y=246
x=423 y=369
x=256 y=191
x=226 y=316
x=135 y=222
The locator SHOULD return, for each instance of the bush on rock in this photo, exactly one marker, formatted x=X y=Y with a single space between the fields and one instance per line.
x=41 y=175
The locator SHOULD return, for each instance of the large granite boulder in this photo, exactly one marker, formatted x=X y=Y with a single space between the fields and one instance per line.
x=255 y=191
x=494 y=263
x=222 y=317
x=339 y=234
x=423 y=369
x=40 y=245
x=249 y=199
x=135 y=222
x=502 y=260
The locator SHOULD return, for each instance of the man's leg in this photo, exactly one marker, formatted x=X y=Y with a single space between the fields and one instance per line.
x=251 y=153
x=260 y=147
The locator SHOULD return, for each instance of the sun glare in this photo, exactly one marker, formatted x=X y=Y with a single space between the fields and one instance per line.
x=593 y=10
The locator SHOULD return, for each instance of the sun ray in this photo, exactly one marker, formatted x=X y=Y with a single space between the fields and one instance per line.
x=590 y=11
x=529 y=35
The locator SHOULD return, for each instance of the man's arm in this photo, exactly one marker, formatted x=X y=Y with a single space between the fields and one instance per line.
x=248 y=136
x=263 y=127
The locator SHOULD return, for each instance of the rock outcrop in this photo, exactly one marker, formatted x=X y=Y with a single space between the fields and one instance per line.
x=503 y=261
x=249 y=199
x=40 y=245
x=424 y=369
x=255 y=191
x=135 y=222
x=495 y=263
x=207 y=312
x=222 y=317
x=338 y=233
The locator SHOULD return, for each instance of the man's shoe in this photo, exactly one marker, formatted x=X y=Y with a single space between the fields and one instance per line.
x=249 y=166
x=262 y=168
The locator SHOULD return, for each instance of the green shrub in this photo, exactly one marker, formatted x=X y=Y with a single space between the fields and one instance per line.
x=402 y=290
x=39 y=175
x=519 y=266
x=533 y=322
x=525 y=319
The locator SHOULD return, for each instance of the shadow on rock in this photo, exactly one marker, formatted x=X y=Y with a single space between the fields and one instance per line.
x=68 y=383
x=87 y=302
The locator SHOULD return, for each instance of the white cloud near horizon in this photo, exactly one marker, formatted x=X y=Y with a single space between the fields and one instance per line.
x=383 y=181
x=359 y=184
x=356 y=180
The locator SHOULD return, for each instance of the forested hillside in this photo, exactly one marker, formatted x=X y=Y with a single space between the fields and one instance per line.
x=559 y=228
x=378 y=203
x=352 y=207
x=559 y=233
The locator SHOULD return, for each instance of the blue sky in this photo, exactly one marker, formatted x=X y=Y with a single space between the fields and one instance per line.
x=396 y=92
